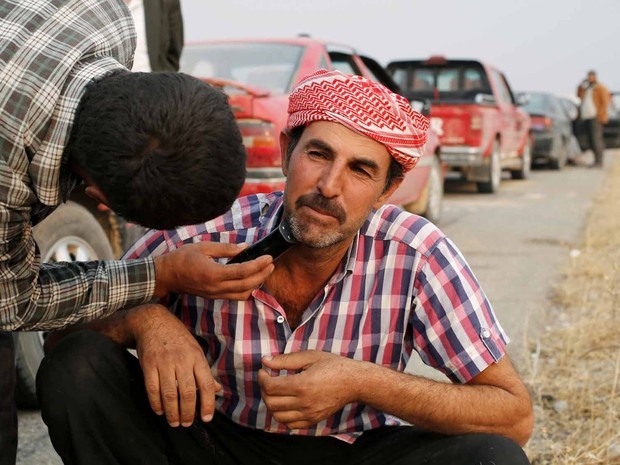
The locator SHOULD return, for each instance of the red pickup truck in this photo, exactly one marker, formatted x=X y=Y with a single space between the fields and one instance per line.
x=482 y=129
x=259 y=74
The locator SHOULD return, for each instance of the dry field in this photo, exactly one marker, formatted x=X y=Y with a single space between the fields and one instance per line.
x=574 y=372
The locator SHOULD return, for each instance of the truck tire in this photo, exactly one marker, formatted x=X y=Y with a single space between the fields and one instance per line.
x=495 y=172
x=560 y=158
x=71 y=233
x=526 y=162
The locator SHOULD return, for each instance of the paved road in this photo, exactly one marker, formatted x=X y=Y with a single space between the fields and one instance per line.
x=516 y=241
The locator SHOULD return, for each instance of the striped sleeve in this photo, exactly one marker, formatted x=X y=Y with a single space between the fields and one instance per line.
x=454 y=326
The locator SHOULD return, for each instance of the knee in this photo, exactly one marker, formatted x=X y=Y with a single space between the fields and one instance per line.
x=492 y=448
x=74 y=367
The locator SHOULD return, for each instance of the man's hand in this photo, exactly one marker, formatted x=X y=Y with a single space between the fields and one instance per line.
x=323 y=385
x=191 y=269
x=174 y=365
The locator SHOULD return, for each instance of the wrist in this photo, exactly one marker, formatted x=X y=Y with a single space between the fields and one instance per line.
x=163 y=277
x=139 y=319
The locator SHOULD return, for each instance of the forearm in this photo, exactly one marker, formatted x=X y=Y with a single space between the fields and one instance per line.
x=122 y=327
x=60 y=295
x=447 y=408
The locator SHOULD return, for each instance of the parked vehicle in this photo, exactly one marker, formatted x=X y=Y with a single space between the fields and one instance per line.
x=76 y=231
x=611 y=130
x=259 y=74
x=482 y=129
x=571 y=108
x=551 y=128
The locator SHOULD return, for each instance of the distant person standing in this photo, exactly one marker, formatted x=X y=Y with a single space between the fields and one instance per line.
x=593 y=112
x=159 y=27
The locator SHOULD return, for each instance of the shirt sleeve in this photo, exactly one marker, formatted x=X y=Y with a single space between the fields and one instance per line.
x=454 y=327
x=35 y=296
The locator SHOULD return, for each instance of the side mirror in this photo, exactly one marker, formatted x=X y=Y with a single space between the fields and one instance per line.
x=485 y=99
x=522 y=99
x=422 y=106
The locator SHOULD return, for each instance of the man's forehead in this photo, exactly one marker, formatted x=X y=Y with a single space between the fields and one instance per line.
x=340 y=138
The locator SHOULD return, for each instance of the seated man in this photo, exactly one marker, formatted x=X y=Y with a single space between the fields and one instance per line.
x=313 y=366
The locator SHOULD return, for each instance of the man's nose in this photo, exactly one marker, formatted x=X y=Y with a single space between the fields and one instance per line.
x=331 y=181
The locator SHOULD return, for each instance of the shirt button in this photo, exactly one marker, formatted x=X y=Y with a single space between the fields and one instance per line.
x=280 y=319
x=485 y=332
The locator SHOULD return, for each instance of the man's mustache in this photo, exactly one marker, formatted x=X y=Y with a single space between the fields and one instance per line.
x=318 y=202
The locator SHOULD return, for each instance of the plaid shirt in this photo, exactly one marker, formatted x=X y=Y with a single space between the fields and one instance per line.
x=49 y=51
x=402 y=287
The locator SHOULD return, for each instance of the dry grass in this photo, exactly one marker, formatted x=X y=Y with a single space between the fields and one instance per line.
x=574 y=375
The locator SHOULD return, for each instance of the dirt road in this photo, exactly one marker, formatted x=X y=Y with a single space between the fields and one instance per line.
x=517 y=242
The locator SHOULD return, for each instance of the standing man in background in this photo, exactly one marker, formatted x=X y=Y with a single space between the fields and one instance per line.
x=159 y=29
x=593 y=112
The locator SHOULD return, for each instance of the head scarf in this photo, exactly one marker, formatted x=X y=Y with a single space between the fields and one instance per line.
x=364 y=106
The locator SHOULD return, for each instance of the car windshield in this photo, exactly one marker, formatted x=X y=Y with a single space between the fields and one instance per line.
x=266 y=65
x=538 y=104
x=458 y=81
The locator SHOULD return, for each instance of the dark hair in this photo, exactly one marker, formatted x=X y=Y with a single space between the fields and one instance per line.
x=395 y=172
x=164 y=148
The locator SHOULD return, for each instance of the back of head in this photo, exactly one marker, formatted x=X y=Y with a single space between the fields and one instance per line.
x=164 y=148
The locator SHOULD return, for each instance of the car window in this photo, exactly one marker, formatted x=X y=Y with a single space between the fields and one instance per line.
x=344 y=62
x=269 y=66
x=504 y=93
x=537 y=104
x=570 y=108
x=458 y=81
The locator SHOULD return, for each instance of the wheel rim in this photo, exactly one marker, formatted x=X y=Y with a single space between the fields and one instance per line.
x=70 y=249
x=527 y=159
x=496 y=169
x=67 y=249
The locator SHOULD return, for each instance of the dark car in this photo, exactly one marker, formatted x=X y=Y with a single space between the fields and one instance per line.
x=611 y=130
x=551 y=129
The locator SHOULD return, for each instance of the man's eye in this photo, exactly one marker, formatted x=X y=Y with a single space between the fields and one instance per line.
x=361 y=171
x=315 y=154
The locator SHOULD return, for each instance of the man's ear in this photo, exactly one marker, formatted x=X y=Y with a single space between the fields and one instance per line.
x=284 y=140
x=97 y=195
x=383 y=198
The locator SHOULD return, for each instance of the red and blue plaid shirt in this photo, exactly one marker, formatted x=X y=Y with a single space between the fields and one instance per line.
x=402 y=287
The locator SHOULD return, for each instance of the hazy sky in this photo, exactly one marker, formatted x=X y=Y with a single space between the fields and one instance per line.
x=539 y=44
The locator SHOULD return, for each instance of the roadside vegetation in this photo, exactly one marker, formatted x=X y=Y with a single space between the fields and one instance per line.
x=574 y=369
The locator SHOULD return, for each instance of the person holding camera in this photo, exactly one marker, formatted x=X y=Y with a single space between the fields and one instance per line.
x=594 y=98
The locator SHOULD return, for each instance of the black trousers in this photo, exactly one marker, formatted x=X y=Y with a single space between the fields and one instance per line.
x=595 y=138
x=94 y=403
x=8 y=412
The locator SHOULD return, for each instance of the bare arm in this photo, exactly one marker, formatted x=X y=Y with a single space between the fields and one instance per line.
x=495 y=401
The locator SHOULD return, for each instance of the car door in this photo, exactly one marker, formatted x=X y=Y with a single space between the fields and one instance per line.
x=509 y=119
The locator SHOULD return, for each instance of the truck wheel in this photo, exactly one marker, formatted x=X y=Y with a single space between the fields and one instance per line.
x=495 y=172
x=558 y=162
x=71 y=233
x=430 y=203
x=526 y=162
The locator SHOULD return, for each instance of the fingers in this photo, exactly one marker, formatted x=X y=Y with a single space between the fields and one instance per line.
x=175 y=392
x=187 y=399
x=169 y=397
x=151 y=384
x=220 y=250
x=207 y=387
x=294 y=361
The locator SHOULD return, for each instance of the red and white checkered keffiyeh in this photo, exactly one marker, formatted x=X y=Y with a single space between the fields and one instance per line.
x=364 y=106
